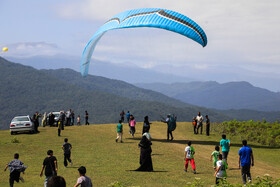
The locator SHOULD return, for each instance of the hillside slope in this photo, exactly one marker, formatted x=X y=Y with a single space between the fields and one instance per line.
x=25 y=90
x=231 y=95
x=106 y=161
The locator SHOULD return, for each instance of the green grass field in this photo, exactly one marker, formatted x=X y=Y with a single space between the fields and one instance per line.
x=106 y=161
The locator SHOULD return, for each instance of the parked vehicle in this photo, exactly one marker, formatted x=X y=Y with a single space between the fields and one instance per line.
x=22 y=124
x=56 y=117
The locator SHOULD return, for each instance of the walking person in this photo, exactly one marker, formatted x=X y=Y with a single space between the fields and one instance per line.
x=225 y=144
x=214 y=156
x=132 y=124
x=246 y=160
x=188 y=157
x=67 y=152
x=220 y=172
x=59 y=127
x=119 y=131
x=199 y=119
x=207 y=125
x=146 y=125
x=145 y=153
x=50 y=166
x=15 y=168
x=83 y=180
x=72 y=118
x=62 y=119
x=86 y=118
x=122 y=115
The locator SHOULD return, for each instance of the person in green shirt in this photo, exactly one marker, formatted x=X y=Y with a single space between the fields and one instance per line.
x=119 y=131
x=189 y=152
x=214 y=156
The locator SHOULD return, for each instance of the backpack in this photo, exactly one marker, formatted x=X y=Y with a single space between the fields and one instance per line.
x=172 y=122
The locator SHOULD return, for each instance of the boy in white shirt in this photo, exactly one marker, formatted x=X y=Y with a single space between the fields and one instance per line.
x=83 y=180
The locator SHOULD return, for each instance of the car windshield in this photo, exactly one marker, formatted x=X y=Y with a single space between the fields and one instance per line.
x=24 y=118
x=56 y=115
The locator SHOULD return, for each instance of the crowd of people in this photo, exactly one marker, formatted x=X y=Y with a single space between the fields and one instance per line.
x=220 y=160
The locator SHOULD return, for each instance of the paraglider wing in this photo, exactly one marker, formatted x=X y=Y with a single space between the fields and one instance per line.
x=149 y=17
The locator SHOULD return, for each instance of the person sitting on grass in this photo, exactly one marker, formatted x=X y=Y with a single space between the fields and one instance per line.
x=214 y=156
x=189 y=152
x=83 y=180
x=15 y=167
x=221 y=167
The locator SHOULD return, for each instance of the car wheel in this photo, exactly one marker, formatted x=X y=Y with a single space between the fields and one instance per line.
x=12 y=133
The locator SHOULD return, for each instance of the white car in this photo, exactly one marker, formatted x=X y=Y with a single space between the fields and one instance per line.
x=21 y=123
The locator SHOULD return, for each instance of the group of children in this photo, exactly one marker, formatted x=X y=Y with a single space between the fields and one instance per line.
x=219 y=162
x=50 y=167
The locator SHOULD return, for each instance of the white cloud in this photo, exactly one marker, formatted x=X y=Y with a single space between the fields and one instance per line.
x=28 y=49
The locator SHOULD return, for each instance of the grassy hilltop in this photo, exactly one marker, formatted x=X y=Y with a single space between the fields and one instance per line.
x=106 y=161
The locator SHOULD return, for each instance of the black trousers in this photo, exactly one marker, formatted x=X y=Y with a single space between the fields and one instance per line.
x=207 y=130
x=87 y=123
x=58 y=132
x=245 y=171
x=14 y=176
x=67 y=157
x=195 y=129
x=169 y=132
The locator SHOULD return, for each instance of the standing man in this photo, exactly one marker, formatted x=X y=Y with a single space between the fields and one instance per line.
x=207 y=125
x=68 y=117
x=86 y=118
x=169 y=127
x=62 y=119
x=36 y=117
x=67 y=152
x=50 y=166
x=225 y=144
x=246 y=159
x=199 y=119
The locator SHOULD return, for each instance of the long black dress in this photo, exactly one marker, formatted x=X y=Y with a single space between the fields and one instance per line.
x=145 y=155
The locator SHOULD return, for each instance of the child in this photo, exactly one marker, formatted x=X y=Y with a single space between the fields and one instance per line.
x=132 y=125
x=78 y=120
x=67 y=152
x=59 y=127
x=221 y=169
x=189 y=152
x=119 y=131
x=83 y=180
x=225 y=144
x=194 y=125
x=214 y=156
x=15 y=167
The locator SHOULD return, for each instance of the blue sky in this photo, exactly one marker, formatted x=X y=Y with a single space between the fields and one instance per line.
x=243 y=36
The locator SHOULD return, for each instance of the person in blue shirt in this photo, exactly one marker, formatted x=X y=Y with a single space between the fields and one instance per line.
x=225 y=144
x=246 y=160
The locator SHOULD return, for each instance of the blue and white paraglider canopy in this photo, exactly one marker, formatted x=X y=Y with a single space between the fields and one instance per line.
x=148 y=17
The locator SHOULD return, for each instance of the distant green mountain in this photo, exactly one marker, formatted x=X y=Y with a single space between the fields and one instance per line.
x=116 y=87
x=25 y=90
x=231 y=95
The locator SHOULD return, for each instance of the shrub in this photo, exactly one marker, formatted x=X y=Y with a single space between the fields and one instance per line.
x=15 y=140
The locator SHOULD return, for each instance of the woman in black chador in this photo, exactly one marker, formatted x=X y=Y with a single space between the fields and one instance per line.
x=145 y=154
x=146 y=125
